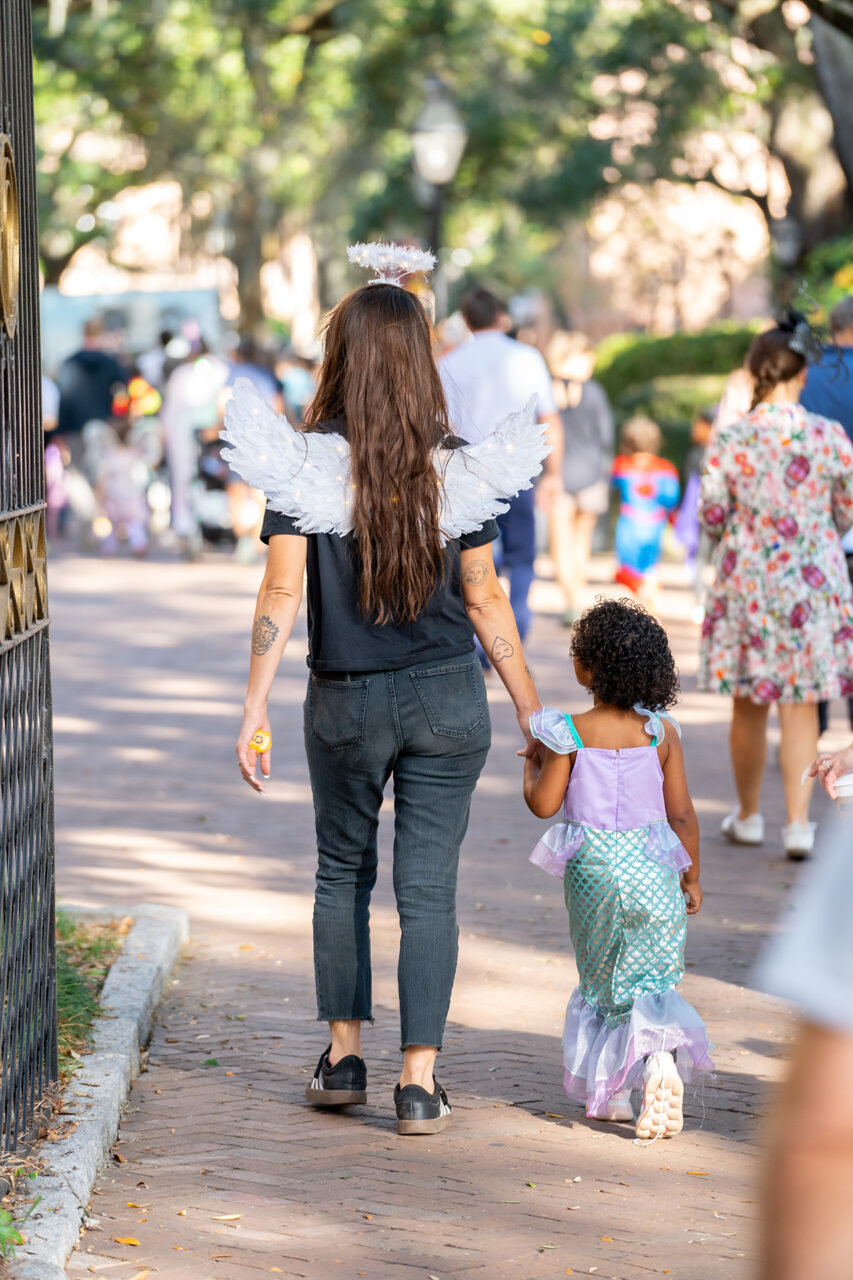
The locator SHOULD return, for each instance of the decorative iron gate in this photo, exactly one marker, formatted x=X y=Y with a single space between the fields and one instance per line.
x=27 y=976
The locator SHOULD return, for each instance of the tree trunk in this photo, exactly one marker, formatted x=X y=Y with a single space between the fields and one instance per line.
x=245 y=253
x=834 y=64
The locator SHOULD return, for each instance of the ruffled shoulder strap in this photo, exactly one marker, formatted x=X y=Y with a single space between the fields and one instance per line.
x=654 y=726
x=556 y=730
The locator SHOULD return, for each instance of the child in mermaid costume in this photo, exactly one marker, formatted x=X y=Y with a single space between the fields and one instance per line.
x=628 y=851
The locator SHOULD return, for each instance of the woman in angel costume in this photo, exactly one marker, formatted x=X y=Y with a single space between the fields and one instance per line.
x=394 y=519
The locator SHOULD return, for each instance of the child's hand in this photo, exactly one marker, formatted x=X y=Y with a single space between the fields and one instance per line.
x=692 y=895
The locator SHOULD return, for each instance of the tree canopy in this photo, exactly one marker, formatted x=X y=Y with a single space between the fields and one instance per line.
x=271 y=113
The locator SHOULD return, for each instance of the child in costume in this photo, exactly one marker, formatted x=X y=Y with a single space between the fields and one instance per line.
x=628 y=850
x=686 y=524
x=648 y=489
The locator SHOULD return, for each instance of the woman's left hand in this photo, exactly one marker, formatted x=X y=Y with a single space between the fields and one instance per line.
x=254 y=721
x=829 y=768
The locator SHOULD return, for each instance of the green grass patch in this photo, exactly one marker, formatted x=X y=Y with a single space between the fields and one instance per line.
x=84 y=953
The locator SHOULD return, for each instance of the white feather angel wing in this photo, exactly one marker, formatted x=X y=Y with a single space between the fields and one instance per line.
x=303 y=474
x=306 y=475
x=480 y=479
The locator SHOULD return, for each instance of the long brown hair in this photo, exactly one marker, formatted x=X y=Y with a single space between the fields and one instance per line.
x=379 y=376
x=770 y=360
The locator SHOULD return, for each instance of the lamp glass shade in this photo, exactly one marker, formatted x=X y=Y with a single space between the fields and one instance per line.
x=438 y=137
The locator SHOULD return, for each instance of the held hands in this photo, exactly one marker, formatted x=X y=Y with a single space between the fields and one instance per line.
x=533 y=748
x=829 y=768
x=692 y=895
x=255 y=721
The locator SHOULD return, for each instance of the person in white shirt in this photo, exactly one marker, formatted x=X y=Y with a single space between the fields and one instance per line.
x=484 y=380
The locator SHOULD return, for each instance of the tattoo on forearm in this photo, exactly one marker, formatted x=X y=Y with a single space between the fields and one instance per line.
x=501 y=649
x=476 y=573
x=263 y=635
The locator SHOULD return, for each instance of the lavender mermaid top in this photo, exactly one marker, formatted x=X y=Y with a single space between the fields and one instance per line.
x=609 y=791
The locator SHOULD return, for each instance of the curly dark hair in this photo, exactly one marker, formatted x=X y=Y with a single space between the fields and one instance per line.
x=627 y=653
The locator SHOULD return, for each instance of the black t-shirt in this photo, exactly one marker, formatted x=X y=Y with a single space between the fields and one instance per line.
x=340 y=639
x=87 y=382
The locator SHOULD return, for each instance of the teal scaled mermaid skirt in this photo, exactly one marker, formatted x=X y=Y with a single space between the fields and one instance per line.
x=628 y=925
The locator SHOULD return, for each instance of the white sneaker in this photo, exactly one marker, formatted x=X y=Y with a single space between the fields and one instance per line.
x=743 y=830
x=617 y=1110
x=798 y=839
x=661 y=1115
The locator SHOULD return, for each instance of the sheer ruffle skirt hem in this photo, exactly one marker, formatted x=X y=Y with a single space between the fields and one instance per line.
x=600 y=1061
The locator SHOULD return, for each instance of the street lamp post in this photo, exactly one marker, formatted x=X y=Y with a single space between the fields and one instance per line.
x=438 y=139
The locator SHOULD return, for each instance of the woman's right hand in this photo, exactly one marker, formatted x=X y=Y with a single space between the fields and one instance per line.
x=829 y=768
x=254 y=720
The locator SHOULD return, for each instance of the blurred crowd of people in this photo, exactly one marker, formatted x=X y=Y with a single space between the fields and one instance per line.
x=132 y=449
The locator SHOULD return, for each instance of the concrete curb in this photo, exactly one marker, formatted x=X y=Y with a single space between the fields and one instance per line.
x=129 y=997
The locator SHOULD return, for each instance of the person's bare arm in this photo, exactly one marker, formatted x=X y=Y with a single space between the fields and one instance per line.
x=278 y=603
x=494 y=622
x=545 y=784
x=681 y=815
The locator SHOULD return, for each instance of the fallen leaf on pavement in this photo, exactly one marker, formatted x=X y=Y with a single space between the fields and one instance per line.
x=606 y=1239
x=697 y=1173
x=140 y=1275
x=530 y=1184
x=555 y=1115
x=119 y=1158
x=131 y=1204
x=126 y=1240
x=226 y=1217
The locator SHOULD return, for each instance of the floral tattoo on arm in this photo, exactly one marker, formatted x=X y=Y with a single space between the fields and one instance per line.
x=264 y=635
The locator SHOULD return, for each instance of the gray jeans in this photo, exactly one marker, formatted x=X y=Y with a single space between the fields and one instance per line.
x=428 y=726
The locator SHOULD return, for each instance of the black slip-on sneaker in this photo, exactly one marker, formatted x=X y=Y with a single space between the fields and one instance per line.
x=419 y=1111
x=341 y=1085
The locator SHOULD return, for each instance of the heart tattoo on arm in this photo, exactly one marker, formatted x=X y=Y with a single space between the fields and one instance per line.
x=501 y=649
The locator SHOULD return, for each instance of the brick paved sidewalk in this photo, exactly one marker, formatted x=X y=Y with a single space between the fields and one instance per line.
x=224 y=1171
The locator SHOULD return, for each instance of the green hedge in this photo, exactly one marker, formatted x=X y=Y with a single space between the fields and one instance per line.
x=673 y=403
x=628 y=360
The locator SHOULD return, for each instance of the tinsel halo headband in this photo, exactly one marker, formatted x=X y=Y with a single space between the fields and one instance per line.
x=390 y=262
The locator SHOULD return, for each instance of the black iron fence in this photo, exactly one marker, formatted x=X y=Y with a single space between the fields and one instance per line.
x=27 y=978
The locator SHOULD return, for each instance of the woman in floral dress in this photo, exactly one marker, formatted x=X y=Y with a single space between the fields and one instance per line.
x=777 y=493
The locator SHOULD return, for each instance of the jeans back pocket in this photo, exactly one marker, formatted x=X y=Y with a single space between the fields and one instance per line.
x=337 y=710
x=452 y=696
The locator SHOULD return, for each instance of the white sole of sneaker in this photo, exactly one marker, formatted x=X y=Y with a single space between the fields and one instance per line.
x=733 y=838
x=662 y=1114
x=412 y=1127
